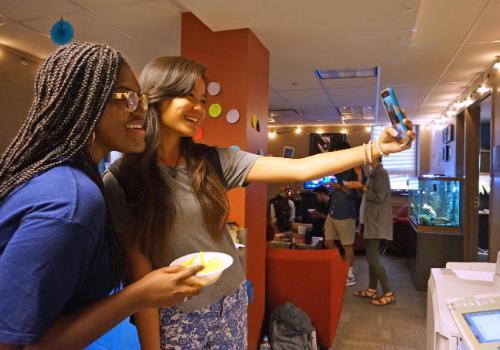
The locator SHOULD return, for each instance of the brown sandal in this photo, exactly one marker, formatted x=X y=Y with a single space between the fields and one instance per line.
x=386 y=299
x=366 y=293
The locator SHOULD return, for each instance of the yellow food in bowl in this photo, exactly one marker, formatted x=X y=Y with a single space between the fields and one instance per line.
x=211 y=265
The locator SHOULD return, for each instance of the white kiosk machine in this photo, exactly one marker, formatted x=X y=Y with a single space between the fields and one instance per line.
x=463 y=307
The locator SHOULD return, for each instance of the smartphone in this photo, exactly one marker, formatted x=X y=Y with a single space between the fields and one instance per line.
x=394 y=112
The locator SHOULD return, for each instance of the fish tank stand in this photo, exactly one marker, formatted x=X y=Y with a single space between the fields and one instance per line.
x=429 y=249
x=435 y=214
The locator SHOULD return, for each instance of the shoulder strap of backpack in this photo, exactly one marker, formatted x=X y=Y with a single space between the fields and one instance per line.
x=115 y=170
x=212 y=156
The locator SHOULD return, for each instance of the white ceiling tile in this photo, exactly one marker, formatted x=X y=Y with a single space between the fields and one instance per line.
x=276 y=100
x=290 y=80
x=26 y=9
x=487 y=29
x=446 y=21
x=307 y=98
x=156 y=24
x=471 y=61
x=353 y=97
x=97 y=4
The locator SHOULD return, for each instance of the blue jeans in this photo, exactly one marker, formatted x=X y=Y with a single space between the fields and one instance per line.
x=221 y=325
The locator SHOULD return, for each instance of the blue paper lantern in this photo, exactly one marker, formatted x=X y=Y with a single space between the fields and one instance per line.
x=61 y=32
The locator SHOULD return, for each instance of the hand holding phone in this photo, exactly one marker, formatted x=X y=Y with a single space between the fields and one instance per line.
x=395 y=114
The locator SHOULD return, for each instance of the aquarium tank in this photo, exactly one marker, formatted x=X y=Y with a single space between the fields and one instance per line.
x=435 y=201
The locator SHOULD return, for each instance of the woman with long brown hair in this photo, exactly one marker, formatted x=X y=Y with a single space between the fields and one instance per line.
x=171 y=200
x=59 y=256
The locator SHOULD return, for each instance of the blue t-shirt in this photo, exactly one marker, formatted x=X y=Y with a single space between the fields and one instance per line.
x=343 y=204
x=54 y=256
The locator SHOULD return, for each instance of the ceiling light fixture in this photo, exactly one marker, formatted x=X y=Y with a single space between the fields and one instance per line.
x=468 y=101
x=347 y=73
x=483 y=89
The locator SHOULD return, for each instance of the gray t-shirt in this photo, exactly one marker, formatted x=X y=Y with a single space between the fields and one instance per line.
x=189 y=234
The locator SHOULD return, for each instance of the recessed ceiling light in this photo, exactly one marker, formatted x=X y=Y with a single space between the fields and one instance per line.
x=347 y=73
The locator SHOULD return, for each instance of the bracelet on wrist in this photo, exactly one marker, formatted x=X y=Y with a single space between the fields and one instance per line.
x=379 y=148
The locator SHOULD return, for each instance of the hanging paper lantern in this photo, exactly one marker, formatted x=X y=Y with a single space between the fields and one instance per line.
x=61 y=32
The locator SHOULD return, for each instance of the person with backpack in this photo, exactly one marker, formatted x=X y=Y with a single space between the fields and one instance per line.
x=171 y=200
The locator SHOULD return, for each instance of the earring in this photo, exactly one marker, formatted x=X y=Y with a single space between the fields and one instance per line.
x=92 y=137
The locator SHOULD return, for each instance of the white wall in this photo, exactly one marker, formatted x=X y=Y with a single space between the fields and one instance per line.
x=436 y=164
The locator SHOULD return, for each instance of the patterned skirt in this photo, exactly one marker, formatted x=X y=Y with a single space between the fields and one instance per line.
x=221 y=325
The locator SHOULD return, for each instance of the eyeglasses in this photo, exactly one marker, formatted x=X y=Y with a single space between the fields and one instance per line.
x=132 y=99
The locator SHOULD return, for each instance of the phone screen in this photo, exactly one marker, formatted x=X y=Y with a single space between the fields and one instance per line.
x=394 y=112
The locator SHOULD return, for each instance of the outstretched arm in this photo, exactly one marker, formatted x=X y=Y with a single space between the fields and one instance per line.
x=276 y=169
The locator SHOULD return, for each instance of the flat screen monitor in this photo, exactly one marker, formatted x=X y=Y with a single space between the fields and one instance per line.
x=324 y=181
x=485 y=325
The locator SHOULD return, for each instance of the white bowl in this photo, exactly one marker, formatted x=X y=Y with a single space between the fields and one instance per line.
x=206 y=278
x=311 y=210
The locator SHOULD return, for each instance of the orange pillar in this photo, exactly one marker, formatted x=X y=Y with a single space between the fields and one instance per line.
x=239 y=62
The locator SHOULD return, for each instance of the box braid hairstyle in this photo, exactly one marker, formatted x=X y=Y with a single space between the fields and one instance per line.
x=72 y=88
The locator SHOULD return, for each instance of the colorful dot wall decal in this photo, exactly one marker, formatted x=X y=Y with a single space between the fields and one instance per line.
x=233 y=116
x=213 y=88
x=199 y=133
x=215 y=110
x=254 y=121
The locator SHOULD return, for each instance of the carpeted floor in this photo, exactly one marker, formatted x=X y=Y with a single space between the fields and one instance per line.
x=400 y=326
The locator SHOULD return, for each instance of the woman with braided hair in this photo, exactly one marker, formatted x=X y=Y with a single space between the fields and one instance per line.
x=59 y=256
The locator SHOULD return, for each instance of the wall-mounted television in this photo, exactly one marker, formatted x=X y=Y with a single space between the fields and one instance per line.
x=324 y=181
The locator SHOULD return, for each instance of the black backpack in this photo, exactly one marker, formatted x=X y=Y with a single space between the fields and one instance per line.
x=290 y=328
